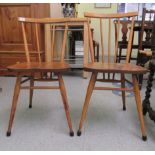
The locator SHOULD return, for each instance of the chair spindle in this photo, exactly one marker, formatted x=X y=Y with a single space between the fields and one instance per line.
x=90 y=42
x=101 y=32
x=37 y=39
x=109 y=41
x=130 y=41
x=64 y=43
x=53 y=41
x=117 y=38
x=25 y=43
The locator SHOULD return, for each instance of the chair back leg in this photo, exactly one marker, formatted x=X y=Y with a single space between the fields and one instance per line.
x=123 y=92
x=31 y=91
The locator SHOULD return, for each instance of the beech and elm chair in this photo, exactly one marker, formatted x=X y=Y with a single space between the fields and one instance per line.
x=110 y=68
x=40 y=67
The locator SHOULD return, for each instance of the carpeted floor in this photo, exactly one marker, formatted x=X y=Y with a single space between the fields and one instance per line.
x=44 y=127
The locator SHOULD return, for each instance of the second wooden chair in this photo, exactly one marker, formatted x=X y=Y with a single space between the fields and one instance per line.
x=111 y=67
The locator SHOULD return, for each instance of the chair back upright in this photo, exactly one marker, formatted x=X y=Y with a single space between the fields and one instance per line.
x=146 y=25
x=108 y=18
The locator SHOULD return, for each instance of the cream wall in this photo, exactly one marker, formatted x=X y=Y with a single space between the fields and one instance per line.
x=90 y=7
x=56 y=10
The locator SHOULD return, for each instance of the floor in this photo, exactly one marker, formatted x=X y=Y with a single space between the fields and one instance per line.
x=44 y=126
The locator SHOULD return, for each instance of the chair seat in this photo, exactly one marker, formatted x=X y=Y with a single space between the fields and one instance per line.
x=43 y=66
x=115 y=68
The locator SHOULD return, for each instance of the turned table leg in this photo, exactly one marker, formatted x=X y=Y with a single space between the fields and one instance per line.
x=146 y=101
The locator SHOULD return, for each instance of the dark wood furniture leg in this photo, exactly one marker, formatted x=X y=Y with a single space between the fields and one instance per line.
x=31 y=91
x=146 y=101
x=123 y=92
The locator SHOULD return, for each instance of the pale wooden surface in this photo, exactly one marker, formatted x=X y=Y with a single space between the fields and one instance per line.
x=44 y=66
x=115 y=68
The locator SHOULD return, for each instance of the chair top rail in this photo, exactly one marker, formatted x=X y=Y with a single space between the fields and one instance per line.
x=118 y=15
x=51 y=20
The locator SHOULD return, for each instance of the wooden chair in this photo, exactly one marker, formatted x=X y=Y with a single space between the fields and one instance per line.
x=146 y=102
x=123 y=44
x=111 y=67
x=56 y=67
x=144 y=54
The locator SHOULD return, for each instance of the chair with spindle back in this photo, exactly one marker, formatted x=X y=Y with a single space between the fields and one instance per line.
x=56 y=66
x=111 y=67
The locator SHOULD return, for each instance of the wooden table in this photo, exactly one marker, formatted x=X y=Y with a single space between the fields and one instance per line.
x=78 y=23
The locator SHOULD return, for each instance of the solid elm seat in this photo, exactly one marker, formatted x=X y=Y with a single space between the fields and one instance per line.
x=42 y=66
x=115 y=68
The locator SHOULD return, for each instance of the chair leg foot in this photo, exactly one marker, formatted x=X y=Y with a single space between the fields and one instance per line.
x=79 y=133
x=124 y=108
x=144 y=138
x=30 y=106
x=71 y=133
x=8 y=134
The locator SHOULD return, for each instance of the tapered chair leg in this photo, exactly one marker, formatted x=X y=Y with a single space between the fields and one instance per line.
x=87 y=100
x=14 y=104
x=31 y=92
x=139 y=106
x=123 y=92
x=65 y=102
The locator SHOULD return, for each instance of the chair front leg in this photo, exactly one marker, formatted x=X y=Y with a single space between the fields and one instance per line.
x=14 y=103
x=139 y=106
x=87 y=100
x=123 y=92
x=65 y=102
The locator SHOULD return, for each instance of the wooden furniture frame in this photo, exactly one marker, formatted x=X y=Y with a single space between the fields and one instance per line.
x=146 y=27
x=112 y=67
x=42 y=68
x=146 y=102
